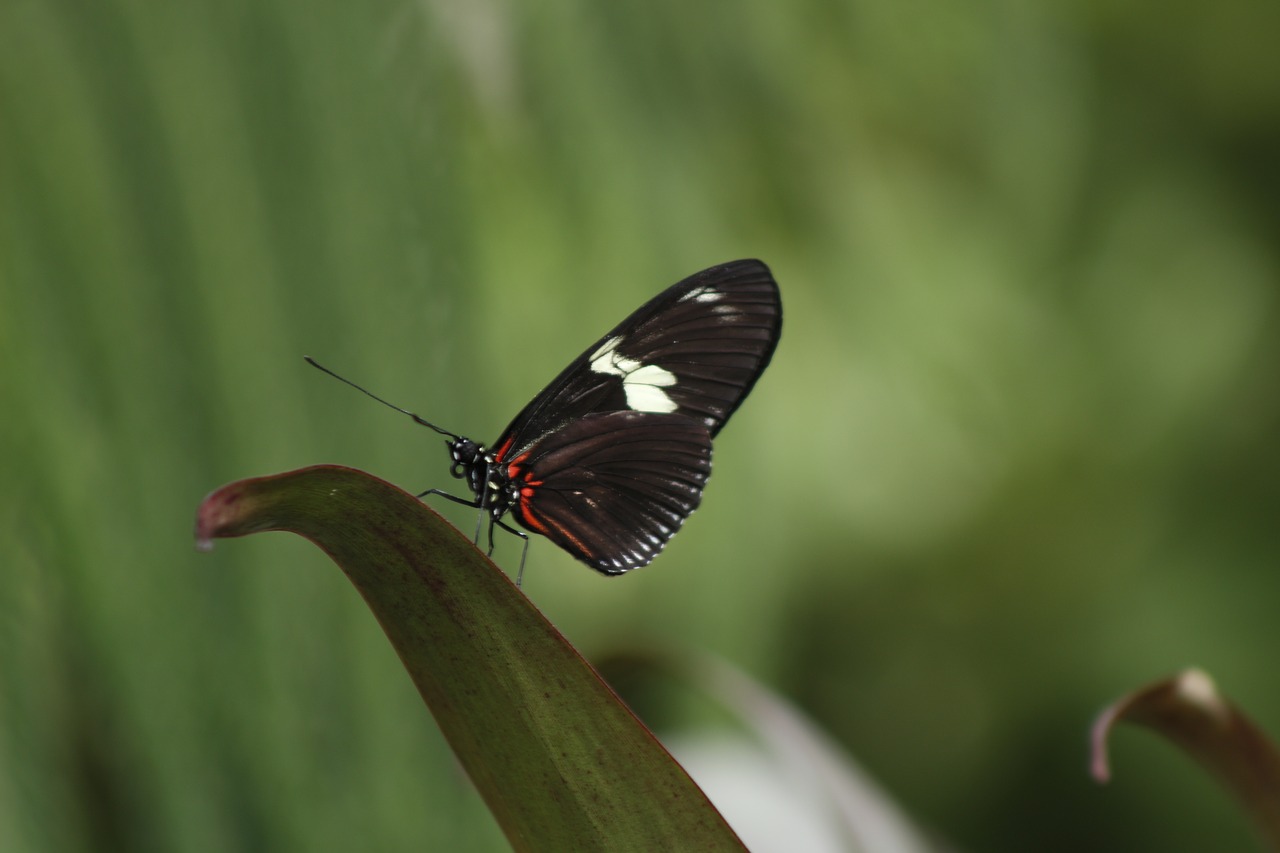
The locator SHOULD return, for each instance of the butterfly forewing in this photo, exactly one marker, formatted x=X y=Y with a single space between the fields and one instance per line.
x=612 y=488
x=694 y=350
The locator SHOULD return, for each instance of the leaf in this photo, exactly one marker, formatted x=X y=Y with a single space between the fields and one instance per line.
x=1188 y=710
x=560 y=761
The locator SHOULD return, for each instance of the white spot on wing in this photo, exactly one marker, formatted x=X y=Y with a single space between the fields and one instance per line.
x=702 y=294
x=642 y=383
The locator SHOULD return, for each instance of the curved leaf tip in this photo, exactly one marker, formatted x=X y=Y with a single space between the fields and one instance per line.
x=1190 y=692
x=238 y=509
x=214 y=515
x=1188 y=710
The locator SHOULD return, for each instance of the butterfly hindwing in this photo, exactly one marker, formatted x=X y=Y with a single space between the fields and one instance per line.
x=612 y=488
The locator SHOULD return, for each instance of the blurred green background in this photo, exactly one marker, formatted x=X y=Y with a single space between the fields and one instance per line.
x=1017 y=452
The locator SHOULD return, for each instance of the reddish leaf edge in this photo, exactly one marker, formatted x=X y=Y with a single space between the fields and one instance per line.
x=1188 y=710
x=561 y=762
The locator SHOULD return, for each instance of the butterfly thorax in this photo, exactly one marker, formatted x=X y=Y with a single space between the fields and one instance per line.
x=487 y=480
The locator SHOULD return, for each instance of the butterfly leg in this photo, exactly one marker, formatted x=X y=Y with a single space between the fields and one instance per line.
x=464 y=502
x=524 y=551
x=492 y=522
x=446 y=495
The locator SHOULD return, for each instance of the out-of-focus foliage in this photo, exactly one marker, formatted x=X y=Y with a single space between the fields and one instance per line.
x=1016 y=452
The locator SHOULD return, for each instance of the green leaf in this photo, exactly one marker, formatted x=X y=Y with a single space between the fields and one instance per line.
x=1188 y=710
x=560 y=761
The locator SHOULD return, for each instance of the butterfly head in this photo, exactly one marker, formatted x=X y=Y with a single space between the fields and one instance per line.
x=471 y=462
x=466 y=455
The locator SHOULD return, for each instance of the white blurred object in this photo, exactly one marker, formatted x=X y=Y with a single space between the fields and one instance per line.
x=790 y=787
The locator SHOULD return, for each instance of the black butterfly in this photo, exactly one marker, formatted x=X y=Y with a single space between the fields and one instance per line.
x=612 y=456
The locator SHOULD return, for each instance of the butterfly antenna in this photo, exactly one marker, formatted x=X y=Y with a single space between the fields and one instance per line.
x=423 y=421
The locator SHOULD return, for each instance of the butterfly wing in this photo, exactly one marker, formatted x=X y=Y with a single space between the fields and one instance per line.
x=612 y=488
x=694 y=350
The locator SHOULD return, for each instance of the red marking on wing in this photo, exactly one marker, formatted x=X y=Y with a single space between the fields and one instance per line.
x=528 y=519
x=502 y=451
x=543 y=526
x=513 y=470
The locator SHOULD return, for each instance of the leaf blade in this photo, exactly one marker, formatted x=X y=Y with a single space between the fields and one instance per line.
x=560 y=761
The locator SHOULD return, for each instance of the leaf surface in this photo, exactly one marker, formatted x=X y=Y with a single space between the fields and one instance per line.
x=562 y=763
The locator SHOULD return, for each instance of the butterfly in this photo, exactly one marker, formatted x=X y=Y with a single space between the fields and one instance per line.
x=611 y=457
